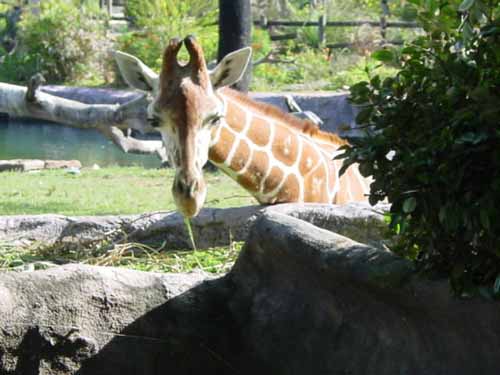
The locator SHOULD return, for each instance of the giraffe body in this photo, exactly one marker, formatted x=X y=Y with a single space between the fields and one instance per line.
x=273 y=155
x=276 y=161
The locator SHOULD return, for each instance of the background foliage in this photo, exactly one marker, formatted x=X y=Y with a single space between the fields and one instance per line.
x=77 y=53
x=433 y=142
x=158 y=21
x=65 y=43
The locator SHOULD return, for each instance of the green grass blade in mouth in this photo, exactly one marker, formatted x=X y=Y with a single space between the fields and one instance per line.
x=190 y=232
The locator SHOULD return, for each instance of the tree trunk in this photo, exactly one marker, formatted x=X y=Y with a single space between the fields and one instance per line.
x=235 y=29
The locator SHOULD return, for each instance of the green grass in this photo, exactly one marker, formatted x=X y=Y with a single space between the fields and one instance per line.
x=108 y=191
x=128 y=255
x=117 y=190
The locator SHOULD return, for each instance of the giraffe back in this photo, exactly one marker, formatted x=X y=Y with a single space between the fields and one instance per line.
x=280 y=158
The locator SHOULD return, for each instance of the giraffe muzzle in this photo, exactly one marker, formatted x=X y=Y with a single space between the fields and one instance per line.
x=189 y=194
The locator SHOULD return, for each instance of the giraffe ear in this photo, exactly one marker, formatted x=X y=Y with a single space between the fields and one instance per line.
x=135 y=72
x=231 y=68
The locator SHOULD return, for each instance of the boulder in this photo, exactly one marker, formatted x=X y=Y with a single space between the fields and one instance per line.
x=299 y=300
x=212 y=227
x=54 y=321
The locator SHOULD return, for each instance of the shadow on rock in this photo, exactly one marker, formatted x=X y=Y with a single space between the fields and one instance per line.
x=191 y=333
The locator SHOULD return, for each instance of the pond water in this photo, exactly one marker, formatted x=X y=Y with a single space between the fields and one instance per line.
x=27 y=139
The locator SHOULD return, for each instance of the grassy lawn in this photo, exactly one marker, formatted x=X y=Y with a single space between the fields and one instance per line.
x=113 y=191
x=108 y=191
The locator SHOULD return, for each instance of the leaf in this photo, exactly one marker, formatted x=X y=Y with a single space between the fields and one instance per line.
x=490 y=30
x=384 y=55
x=364 y=115
x=375 y=82
x=346 y=164
x=409 y=205
x=365 y=169
x=486 y=293
x=467 y=32
x=485 y=219
x=373 y=199
x=496 y=286
x=466 y=5
x=471 y=137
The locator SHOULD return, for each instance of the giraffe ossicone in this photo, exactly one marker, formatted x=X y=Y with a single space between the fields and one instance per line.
x=275 y=156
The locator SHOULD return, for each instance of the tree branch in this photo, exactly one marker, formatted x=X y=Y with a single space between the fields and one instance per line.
x=19 y=101
x=109 y=119
x=132 y=145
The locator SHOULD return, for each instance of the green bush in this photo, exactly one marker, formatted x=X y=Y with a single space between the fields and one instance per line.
x=159 y=21
x=65 y=43
x=433 y=147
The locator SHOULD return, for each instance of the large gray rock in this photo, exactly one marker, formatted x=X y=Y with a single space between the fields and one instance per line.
x=300 y=300
x=213 y=227
x=53 y=321
x=333 y=108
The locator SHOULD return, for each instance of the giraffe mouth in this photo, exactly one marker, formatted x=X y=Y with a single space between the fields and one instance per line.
x=189 y=194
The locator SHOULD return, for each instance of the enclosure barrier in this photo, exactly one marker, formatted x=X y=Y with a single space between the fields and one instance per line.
x=322 y=24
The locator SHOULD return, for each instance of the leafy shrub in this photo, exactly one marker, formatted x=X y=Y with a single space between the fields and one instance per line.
x=61 y=43
x=261 y=43
x=433 y=147
x=159 y=21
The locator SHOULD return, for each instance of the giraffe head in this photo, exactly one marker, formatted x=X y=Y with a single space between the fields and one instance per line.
x=185 y=109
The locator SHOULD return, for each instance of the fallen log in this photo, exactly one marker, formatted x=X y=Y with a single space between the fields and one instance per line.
x=300 y=300
x=111 y=119
x=26 y=165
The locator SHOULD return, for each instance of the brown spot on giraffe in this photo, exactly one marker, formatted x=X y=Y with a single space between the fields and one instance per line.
x=285 y=145
x=290 y=192
x=273 y=180
x=254 y=174
x=220 y=151
x=259 y=132
x=236 y=119
x=240 y=157
x=309 y=159
x=249 y=182
x=316 y=185
x=258 y=165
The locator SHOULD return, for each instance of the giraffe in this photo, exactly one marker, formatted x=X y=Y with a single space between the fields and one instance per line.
x=275 y=156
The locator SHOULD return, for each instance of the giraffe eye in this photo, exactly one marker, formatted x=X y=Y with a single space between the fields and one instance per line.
x=214 y=120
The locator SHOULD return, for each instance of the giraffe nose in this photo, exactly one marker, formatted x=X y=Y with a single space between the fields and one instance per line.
x=189 y=191
x=186 y=187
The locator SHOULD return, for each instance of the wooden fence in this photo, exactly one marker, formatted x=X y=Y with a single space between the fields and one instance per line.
x=114 y=8
x=322 y=24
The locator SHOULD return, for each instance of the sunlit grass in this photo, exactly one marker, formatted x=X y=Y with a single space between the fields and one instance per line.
x=108 y=191
x=117 y=190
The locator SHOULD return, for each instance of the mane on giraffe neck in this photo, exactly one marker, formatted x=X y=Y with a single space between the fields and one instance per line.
x=304 y=126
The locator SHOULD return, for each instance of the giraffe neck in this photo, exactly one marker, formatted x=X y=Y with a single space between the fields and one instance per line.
x=271 y=160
